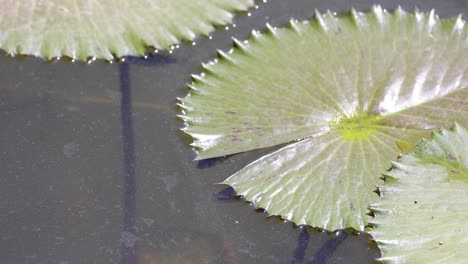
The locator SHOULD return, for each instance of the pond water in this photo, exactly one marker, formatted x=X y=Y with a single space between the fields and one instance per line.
x=94 y=168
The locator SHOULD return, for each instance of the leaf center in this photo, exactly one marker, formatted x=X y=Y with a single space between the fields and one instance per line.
x=355 y=127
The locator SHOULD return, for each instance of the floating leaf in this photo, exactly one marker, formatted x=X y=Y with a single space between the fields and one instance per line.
x=422 y=216
x=345 y=92
x=107 y=28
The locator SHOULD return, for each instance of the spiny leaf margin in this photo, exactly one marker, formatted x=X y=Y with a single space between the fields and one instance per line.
x=107 y=29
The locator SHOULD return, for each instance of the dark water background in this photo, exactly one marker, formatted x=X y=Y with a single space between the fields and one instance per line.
x=94 y=169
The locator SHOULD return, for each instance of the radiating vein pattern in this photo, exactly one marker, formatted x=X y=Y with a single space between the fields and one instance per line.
x=421 y=216
x=107 y=28
x=351 y=92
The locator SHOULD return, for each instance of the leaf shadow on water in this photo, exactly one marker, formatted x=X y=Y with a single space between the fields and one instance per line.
x=328 y=248
x=129 y=230
x=321 y=256
x=208 y=163
x=151 y=59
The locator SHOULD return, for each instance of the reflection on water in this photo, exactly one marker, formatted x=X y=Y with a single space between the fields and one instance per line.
x=129 y=233
x=320 y=256
x=329 y=248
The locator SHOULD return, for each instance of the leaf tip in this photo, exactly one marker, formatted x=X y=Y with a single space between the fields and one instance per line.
x=458 y=25
x=239 y=45
x=319 y=18
x=270 y=30
x=196 y=78
x=399 y=11
x=293 y=24
x=224 y=56
x=376 y=9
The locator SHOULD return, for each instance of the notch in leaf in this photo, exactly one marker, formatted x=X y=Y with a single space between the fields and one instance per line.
x=348 y=93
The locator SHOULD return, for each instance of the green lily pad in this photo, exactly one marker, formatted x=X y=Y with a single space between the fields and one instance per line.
x=107 y=28
x=348 y=93
x=423 y=212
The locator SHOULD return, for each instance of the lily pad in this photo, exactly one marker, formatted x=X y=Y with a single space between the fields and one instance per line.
x=348 y=93
x=107 y=28
x=422 y=215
